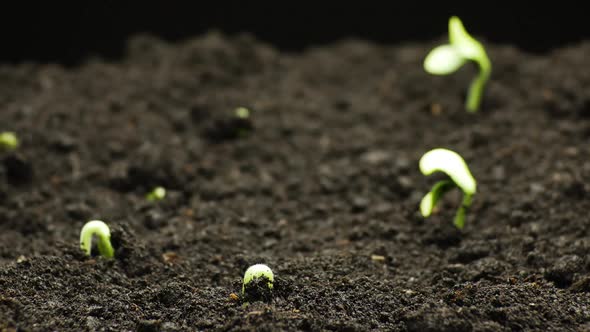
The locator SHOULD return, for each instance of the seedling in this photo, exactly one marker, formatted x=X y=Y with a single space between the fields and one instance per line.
x=102 y=232
x=451 y=163
x=156 y=195
x=258 y=271
x=8 y=141
x=242 y=112
x=446 y=59
x=243 y=122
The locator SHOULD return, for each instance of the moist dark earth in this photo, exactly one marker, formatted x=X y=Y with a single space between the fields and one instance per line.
x=321 y=183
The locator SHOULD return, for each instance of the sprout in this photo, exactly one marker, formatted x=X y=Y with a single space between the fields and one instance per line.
x=102 y=231
x=156 y=194
x=446 y=59
x=242 y=112
x=451 y=163
x=242 y=121
x=258 y=271
x=8 y=141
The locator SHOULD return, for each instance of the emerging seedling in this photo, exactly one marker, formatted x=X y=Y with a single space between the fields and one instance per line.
x=102 y=232
x=235 y=124
x=446 y=59
x=156 y=195
x=258 y=271
x=242 y=112
x=243 y=122
x=451 y=163
x=8 y=141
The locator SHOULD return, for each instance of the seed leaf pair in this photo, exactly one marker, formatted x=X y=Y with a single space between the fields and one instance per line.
x=448 y=58
x=450 y=163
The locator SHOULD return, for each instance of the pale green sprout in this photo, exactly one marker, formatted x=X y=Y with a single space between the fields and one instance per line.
x=156 y=194
x=102 y=232
x=258 y=271
x=8 y=141
x=446 y=59
x=452 y=164
x=242 y=112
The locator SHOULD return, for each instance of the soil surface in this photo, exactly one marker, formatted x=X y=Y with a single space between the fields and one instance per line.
x=321 y=183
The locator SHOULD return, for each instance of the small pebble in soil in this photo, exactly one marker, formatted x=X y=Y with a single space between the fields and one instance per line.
x=375 y=157
x=498 y=173
x=378 y=258
x=170 y=257
x=436 y=109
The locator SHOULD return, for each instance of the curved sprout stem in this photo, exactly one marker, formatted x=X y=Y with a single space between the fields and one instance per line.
x=459 y=220
x=438 y=190
x=475 y=93
x=102 y=232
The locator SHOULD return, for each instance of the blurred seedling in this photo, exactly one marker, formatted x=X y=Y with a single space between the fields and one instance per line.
x=453 y=165
x=448 y=58
x=103 y=234
x=8 y=141
x=157 y=194
x=243 y=121
x=231 y=125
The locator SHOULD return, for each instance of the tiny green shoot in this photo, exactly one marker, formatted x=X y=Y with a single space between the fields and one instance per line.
x=258 y=271
x=242 y=112
x=448 y=58
x=157 y=194
x=102 y=232
x=243 y=121
x=8 y=141
x=452 y=164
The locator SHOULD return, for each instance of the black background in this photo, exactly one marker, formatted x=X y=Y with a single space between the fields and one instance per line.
x=69 y=33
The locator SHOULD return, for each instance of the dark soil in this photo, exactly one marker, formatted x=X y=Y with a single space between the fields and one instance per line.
x=321 y=184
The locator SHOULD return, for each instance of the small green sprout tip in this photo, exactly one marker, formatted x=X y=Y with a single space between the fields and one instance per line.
x=242 y=112
x=156 y=194
x=103 y=233
x=446 y=59
x=258 y=271
x=8 y=141
x=451 y=163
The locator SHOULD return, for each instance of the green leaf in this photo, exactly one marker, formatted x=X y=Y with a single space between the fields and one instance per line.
x=443 y=60
x=8 y=141
x=438 y=190
x=466 y=45
x=451 y=163
x=156 y=194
